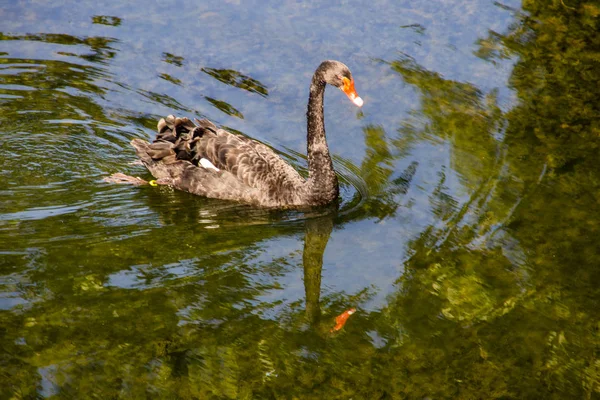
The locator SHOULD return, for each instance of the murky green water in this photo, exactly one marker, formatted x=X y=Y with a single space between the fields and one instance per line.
x=467 y=236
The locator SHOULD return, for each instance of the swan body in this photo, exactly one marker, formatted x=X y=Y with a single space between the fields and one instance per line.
x=204 y=160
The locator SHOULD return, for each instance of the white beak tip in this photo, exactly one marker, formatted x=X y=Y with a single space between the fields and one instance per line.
x=358 y=101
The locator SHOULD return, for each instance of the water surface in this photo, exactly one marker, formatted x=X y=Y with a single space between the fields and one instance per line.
x=466 y=235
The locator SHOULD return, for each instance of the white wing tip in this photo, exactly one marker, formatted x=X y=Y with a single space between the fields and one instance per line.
x=207 y=164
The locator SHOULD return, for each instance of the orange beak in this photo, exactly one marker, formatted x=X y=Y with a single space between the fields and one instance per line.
x=348 y=88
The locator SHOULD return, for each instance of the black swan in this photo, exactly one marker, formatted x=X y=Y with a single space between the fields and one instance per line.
x=207 y=161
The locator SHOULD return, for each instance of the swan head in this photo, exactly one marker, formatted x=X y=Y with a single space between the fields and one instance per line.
x=338 y=74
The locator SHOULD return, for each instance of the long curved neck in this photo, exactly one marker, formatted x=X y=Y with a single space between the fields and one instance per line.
x=322 y=181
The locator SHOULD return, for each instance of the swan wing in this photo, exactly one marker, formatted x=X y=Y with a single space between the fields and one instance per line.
x=184 y=175
x=225 y=165
x=252 y=162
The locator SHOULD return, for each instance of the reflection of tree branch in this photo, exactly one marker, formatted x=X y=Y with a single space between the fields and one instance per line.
x=566 y=6
x=225 y=107
x=100 y=45
x=237 y=79
x=106 y=20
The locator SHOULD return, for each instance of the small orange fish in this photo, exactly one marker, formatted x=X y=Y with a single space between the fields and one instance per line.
x=341 y=319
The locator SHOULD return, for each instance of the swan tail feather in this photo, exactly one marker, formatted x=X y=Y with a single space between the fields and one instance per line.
x=178 y=157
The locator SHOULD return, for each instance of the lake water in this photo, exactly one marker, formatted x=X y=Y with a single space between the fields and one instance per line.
x=466 y=236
